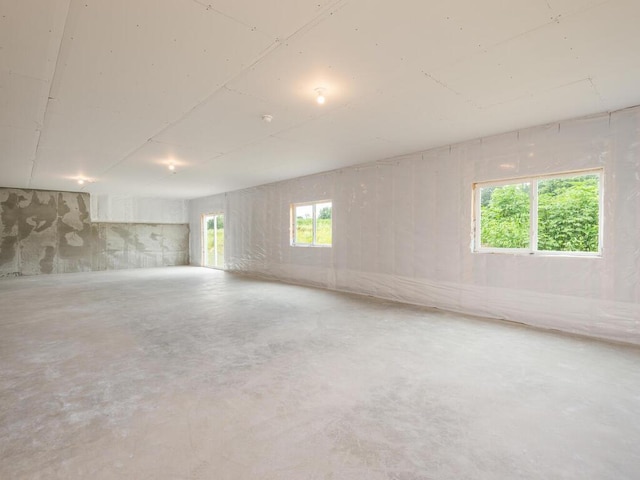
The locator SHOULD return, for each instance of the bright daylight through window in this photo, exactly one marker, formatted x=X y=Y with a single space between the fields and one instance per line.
x=311 y=224
x=213 y=240
x=551 y=214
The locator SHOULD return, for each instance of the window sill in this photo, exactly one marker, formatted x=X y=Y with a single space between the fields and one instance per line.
x=307 y=245
x=529 y=253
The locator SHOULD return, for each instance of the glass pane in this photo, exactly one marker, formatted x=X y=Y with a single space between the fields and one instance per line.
x=214 y=241
x=505 y=215
x=220 y=241
x=210 y=257
x=568 y=214
x=304 y=224
x=323 y=223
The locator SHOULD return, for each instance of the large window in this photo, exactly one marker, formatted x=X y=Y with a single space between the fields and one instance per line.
x=559 y=214
x=311 y=224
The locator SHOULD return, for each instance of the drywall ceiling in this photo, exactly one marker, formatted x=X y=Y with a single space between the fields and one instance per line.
x=116 y=90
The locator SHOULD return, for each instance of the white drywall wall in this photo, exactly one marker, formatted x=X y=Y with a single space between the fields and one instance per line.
x=402 y=230
x=129 y=209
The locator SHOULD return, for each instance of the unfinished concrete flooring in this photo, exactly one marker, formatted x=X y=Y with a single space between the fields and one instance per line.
x=188 y=373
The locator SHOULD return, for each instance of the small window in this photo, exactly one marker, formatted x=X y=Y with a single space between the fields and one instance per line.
x=311 y=224
x=550 y=214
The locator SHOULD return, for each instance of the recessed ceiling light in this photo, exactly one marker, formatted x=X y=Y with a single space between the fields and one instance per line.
x=80 y=181
x=172 y=167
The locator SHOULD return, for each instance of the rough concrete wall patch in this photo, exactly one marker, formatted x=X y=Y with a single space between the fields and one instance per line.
x=74 y=233
x=46 y=264
x=28 y=229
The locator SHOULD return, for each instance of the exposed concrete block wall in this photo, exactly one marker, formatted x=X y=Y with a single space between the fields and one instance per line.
x=51 y=232
x=44 y=232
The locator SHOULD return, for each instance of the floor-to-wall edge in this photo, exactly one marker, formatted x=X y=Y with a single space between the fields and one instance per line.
x=490 y=304
x=403 y=229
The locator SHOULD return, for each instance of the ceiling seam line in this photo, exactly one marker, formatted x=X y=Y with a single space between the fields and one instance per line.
x=265 y=52
x=208 y=7
x=261 y=56
x=530 y=95
x=557 y=19
x=34 y=160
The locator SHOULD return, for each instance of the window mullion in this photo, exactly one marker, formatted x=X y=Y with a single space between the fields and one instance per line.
x=313 y=223
x=600 y=213
x=533 y=232
x=478 y=218
x=215 y=240
x=294 y=225
x=205 y=253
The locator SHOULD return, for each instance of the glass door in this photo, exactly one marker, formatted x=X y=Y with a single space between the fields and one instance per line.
x=213 y=240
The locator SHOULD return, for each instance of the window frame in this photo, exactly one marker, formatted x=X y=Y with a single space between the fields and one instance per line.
x=477 y=247
x=294 y=221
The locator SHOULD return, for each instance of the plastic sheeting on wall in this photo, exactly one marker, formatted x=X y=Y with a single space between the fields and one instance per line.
x=402 y=230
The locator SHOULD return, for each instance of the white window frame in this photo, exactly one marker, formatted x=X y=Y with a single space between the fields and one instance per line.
x=314 y=219
x=533 y=214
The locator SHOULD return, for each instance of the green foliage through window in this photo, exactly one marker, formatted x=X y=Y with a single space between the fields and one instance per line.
x=211 y=222
x=506 y=217
x=567 y=212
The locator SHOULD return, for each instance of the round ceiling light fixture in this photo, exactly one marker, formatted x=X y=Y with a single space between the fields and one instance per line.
x=320 y=99
x=267 y=118
x=81 y=181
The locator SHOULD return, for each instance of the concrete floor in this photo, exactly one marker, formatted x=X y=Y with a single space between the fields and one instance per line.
x=188 y=373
